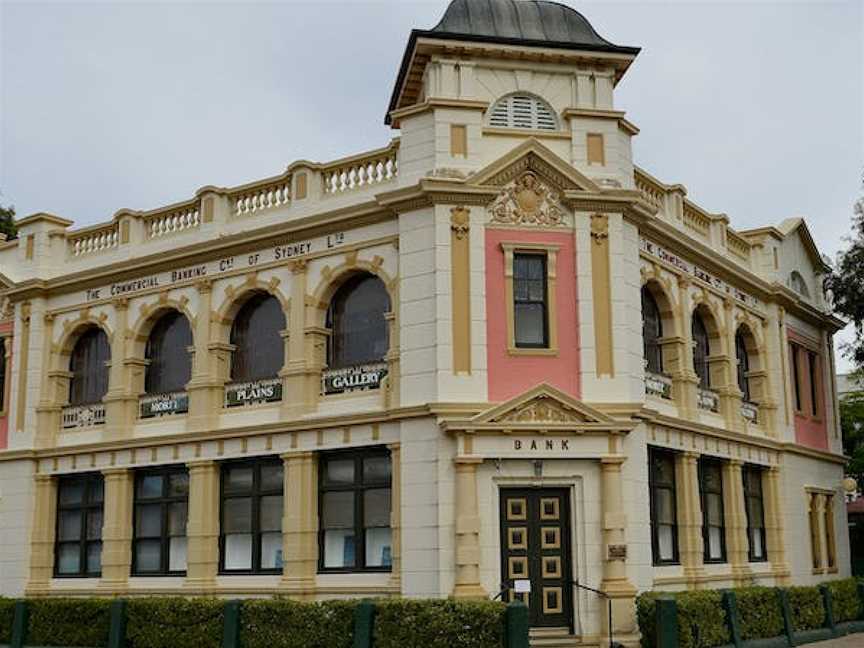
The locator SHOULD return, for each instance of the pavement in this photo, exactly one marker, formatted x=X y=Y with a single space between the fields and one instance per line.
x=849 y=641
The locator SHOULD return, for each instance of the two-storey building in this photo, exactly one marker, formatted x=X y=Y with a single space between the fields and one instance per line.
x=494 y=354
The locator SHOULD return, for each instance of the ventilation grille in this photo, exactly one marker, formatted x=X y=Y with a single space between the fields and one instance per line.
x=523 y=111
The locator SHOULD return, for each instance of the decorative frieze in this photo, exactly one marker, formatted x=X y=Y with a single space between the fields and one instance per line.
x=693 y=270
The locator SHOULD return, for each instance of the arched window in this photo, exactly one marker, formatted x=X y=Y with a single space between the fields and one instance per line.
x=2 y=374
x=701 y=351
x=170 y=365
x=523 y=111
x=357 y=322
x=743 y=364
x=89 y=367
x=256 y=334
x=798 y=284
x=652 y=331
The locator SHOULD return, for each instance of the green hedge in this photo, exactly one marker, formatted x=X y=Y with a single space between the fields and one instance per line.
x=282 y=623
x=846 y=604
x=406 y=623
x=7 y=615
x=759 y=612
x=807 y=608
x=69 y=622
x=174 y=622
x=701 y=619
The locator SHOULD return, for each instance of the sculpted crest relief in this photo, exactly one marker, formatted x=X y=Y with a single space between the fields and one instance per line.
x=527 y=200
x=542 y=410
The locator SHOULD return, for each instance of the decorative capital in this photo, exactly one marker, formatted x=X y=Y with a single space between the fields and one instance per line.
x=599 y=228
x=298 y=266
x=120 y=303
x=460 y=221
x=204 y=286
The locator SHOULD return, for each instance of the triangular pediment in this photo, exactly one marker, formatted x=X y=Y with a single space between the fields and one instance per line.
x=543 y=404
x=533 y=156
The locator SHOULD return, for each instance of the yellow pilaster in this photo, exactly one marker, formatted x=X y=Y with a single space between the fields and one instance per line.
x=117 y=529
x=42 y=534
x=202 y=527
x=730 y=393
x=615 y=583
x=460 y=279
x=120 y=403
x=691 y=547
x=467 y=531
x=396 y=513
x=300 y=523
x=22 y=360
x=48 y=408
x=300 y=378
x=205 y=385
x=735 y=516
x=685 y=383
x=774 y=525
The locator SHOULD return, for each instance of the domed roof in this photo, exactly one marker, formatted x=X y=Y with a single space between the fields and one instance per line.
x=537 y=21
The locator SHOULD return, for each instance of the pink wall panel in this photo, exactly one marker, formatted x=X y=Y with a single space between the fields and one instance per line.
x=512 y=375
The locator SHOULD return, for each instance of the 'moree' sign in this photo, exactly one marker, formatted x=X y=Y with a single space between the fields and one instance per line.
x=282 y=252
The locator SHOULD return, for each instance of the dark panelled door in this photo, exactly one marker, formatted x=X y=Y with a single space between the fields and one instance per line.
x=535 y=546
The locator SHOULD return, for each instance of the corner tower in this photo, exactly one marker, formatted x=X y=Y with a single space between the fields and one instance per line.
x=493 y=72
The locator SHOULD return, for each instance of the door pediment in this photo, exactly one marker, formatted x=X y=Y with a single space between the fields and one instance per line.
x=543 y=404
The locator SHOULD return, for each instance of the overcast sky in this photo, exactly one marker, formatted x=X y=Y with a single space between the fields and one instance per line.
x=757 y=107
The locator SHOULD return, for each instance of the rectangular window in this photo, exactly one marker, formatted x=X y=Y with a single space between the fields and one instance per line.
x=530 y=303
x=813 y=368
x=713 y=523
x=354 y=509
x=458 y=140
x=664 y=519
x=251 y=531
x=159 y=532
x=755 y=513
x=815 y=542
x=796 y=376
x=78 y=550
x=830 y=547
x=596 y=149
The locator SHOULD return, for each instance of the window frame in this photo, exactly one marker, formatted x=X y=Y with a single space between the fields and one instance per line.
x=156 y=350
x=813 y=378
x=93 y=373
x=4 y=373
x=651 y=348
x=243 y=362
x=713 y=462
x=254 y=494
x=747 y=473
x=358 y=488
x=541 y=115
x=653 y=485
x=522 y=257
x=84 y=509
x=705 y=376
x=164 y=501
x=335 y=345
x=550 y=251
x=742 y=365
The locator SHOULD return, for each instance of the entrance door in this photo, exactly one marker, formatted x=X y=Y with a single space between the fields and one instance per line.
x=535 y=546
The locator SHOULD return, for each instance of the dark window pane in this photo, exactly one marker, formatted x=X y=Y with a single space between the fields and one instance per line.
x=664 y=530
x=652 y=331
x=271 y=513
x=94 y=557
x=94 y=525
x=69 y=558
x=149 y=486
x=178 y=484
x=177 y=554
x=743 y=365
x=148 y=555
x=238 y=515
x=95 y=490
x=70 y=525
x=701 y=351
x=271 y=550
x=167 y=350
x=376 y=469
x=340 y=471
x=88 y=367
x=530 y=324
x=256 y=334
x=529 y=296
x=71 y=492
x=148 y=520
x=376 y=507
x=357 y=321
x=177 y=517
x=338 y=510
x=272 y=477
x=238 y=479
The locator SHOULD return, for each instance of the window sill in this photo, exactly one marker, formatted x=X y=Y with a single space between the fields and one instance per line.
x=524 y=351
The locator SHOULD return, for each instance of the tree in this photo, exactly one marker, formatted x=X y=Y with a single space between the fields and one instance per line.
x=846 y=284
x=852 y=423
x=7 y=222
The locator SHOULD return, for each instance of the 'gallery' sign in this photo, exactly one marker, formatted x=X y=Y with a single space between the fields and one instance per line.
x=338 y=381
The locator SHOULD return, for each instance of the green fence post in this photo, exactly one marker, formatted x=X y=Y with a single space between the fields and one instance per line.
x=117 y=629
x=730 y=604
x=231 y=625
x=19 y=624
x=828 y=604
x=516 y=625
x=666 y=622
x=861 y=598
x=364 y=624
x=786 y=611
